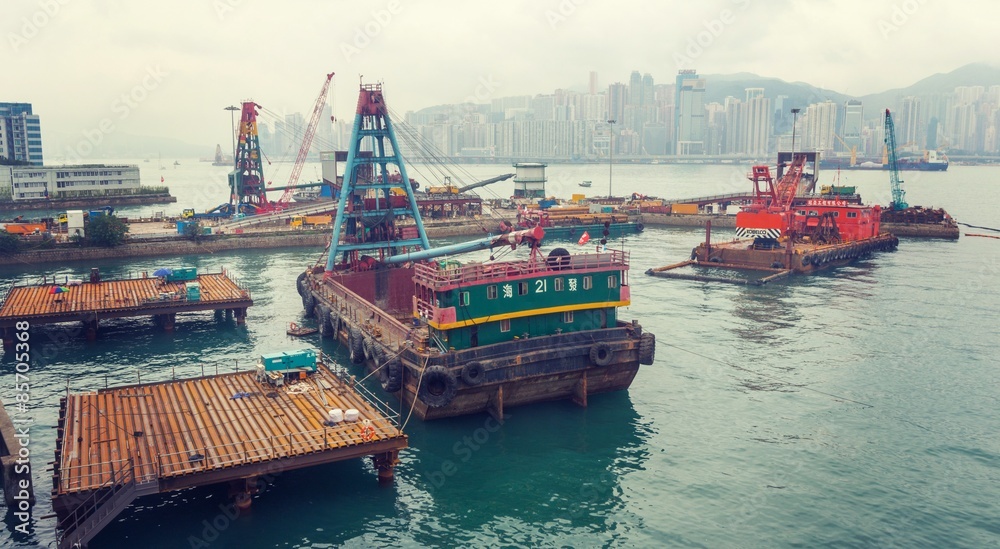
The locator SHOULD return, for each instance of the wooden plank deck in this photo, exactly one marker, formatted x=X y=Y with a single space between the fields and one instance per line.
x=188 y=432
x=118 y=298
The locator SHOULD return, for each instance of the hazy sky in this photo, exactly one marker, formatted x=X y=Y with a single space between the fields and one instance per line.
x=167 y=68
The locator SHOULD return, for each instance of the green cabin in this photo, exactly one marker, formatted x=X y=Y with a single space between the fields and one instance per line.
x=475 y=304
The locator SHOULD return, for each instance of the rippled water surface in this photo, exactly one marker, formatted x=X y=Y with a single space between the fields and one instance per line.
x=852 y=408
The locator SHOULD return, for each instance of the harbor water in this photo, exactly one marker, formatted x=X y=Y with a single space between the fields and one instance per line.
x=852 y=408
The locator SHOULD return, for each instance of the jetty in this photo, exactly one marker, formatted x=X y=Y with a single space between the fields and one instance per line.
x=95 y=300
x=117 y=444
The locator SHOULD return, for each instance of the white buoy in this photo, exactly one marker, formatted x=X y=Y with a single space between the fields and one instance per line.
x=351 y=414
x=336 y=415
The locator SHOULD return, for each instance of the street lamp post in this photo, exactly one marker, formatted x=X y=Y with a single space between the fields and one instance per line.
x=611 y=153
x=232 y=127
x=795 y=113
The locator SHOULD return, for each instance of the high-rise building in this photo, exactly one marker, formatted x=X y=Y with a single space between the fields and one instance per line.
x=758 y=123
x=820 y=122
x=853 y=124
x=593 y=83
x=635 y=89
x=20 y=133
x=648 y=97
x=690 y=113
x=617 y=95
x=910 y=130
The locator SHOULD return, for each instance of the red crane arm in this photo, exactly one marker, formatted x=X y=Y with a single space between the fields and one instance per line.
x=300 y=160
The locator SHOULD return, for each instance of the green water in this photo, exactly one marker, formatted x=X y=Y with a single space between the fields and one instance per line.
x=854 y=408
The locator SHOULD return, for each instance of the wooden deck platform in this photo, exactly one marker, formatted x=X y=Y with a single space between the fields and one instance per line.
x=92 y=301
x=178 y=434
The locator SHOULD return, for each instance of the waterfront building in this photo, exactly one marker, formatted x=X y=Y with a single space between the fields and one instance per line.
x=20 y=133
x=85 y=180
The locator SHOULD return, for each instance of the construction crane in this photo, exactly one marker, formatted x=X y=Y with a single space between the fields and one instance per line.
x=770 y=214
x=300 y=160
x=852 y=148
x=448 y=188
x=895 y=183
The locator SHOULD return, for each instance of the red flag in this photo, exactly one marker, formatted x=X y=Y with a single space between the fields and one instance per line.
x=584 y=238
x=161 y=179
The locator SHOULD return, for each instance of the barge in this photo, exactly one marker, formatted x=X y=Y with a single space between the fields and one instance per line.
x=781 y=234
x=451 y=338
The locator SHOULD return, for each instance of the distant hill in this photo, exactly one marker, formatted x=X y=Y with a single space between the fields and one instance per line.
x=800 y=94
x=973 y=74
x=57 y=146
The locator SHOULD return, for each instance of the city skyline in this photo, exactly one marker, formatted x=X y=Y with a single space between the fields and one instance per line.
x=170 y=69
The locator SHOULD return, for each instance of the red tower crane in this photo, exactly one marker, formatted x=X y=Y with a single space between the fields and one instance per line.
x=300 y=160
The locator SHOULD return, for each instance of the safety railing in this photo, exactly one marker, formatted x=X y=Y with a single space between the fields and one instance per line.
x=449 y=273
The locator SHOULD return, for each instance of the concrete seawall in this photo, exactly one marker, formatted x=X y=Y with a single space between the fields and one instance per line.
x=85 y=203
x=695 y=220
x=173 y=246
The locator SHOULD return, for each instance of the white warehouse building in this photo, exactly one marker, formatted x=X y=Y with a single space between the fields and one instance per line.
x=41 y=182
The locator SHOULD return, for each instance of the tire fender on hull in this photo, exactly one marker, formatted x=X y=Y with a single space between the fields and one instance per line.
x=600 y=354
x=647 y=348
x=437 y=387
x=393 y=375
x=356 y=345
x=473 y=373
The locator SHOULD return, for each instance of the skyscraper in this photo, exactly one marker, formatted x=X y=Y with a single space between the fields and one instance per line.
x=758 y=123
x=20 y=133
x=853 y=123
x=690 y=113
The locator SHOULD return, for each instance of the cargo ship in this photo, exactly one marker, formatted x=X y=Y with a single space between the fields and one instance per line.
x=451 y=337
x=930 y=161
x=783 y=234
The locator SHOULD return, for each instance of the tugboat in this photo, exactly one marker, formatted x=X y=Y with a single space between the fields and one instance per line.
x=451 y=338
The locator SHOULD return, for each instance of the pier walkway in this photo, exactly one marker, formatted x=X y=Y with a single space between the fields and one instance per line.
x=90 y=302
x=117 y=444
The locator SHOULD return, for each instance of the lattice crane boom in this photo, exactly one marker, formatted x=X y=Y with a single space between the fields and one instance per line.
x=307 y=139
x=895 y=183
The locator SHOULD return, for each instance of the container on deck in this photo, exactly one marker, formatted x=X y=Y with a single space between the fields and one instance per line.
x=183 y=275
x=305 y=358
x=193 y=290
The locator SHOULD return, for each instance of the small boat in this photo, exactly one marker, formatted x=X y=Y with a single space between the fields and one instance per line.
x=176 y=163
x=585 y=183
x=299 y=331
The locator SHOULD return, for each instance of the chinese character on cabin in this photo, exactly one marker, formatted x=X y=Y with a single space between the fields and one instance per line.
x=572 y=284
x=508 y=291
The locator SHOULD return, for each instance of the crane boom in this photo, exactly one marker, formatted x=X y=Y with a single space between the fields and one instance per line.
x=895 y=183
x=300 y=160
x=484 y=182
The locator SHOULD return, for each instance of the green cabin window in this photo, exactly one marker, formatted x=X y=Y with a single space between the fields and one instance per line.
x=505 y=325
x=612 y=281
x=568 y=317
x=588 y=282
x=491 y=291
x=463 y=299
x=558 y=284
x=522 y=288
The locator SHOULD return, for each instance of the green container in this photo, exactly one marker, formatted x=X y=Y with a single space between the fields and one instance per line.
x=183 y=275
